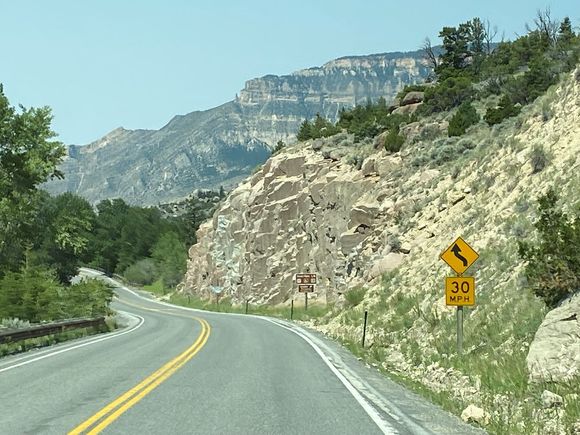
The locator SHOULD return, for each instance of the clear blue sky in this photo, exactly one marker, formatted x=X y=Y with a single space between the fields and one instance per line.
x=101 y=64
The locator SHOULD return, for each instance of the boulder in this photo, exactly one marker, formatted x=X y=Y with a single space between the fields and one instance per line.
x=456 y=197
x=394 y=105
x=292 y=166
x=387 y=164
x=368 y=167
x=379 y=142
x=317 y=145
x=551 y=400
x=363 y=214
x=407 y=110
x=553 y=354
x=390 y=262
x=413 y=97
x=338 y=154
x=474 y=414
x=350 y=239
x=282 y=188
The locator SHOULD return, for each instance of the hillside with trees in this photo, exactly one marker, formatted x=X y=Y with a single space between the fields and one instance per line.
x=44 y=240
x=472 y=70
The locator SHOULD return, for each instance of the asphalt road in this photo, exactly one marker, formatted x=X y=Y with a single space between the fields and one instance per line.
x=179 y=371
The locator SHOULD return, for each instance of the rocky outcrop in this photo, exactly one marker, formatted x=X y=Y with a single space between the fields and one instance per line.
x=554 y=354
x=301 y=212
x=221 y=146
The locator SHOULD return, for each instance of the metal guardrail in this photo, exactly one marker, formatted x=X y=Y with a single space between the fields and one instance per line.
x=11 y=336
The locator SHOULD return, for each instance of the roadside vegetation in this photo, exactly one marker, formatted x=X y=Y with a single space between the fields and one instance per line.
x=44 y=240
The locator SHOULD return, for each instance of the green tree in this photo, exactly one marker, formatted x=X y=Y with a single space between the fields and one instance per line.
x=305 y=131
x=143 y=272
x=170 y=257
x=553 y=262
x=565 y=34
x=279 y=146
x=66 y=240
x=111 y=218
x=477 y=39
x=448 y=94
x=32 y=294
x=28 y=157
x=456 y=41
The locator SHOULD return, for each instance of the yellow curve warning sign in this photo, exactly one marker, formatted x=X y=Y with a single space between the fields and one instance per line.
x=459 y=256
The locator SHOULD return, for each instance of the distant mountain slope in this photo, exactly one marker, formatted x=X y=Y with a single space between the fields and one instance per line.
x=221 y=146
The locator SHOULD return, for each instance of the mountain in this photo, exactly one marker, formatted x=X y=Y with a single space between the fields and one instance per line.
x=221 y=146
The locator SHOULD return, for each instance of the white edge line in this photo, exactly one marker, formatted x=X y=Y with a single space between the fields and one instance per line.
x=108 y=337
x=385 y=427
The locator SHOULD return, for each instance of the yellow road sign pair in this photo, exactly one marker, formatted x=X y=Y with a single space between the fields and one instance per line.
x=460 y=291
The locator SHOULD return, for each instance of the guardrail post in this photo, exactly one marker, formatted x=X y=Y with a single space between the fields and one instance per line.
x=291 y=309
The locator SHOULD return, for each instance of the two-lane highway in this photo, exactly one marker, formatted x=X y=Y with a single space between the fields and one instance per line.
x=175 y=370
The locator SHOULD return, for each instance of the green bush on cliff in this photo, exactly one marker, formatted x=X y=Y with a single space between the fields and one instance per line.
x=394 y=141
x=553 y=261
x=465 y=117
x=505 y=109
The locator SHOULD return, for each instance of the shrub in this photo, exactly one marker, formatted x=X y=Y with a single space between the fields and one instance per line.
x=279 y=146
x=539 y=160
x=394 y=141
x=465 y=117
x=553 y=269
x=144 y=272
x=506 y=109
x=355 y=296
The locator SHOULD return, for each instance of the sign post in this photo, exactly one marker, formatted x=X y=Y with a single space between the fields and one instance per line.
x=459 y=290
x=306 y=284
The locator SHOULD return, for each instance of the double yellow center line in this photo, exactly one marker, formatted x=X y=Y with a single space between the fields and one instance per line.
x=117 y=407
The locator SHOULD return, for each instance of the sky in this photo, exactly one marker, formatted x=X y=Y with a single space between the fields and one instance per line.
x=103 y=64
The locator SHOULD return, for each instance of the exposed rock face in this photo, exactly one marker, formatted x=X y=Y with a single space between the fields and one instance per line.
x=300 y=213
x=221 y=146
x=555 y=352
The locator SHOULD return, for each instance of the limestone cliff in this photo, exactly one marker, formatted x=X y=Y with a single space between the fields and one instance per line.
x=221 y=146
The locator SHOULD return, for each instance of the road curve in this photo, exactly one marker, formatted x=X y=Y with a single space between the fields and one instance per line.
x=179 y=371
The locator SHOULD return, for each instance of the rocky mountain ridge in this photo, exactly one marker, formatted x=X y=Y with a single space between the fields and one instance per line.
x=221 y=146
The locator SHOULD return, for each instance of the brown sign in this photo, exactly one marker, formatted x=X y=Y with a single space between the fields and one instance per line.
x=305 y=278
x=305 y=288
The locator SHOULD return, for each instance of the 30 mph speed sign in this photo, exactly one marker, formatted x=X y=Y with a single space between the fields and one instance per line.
x=460 y=290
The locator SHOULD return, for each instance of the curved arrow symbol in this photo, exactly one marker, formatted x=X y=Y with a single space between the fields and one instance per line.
x=456 y=250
